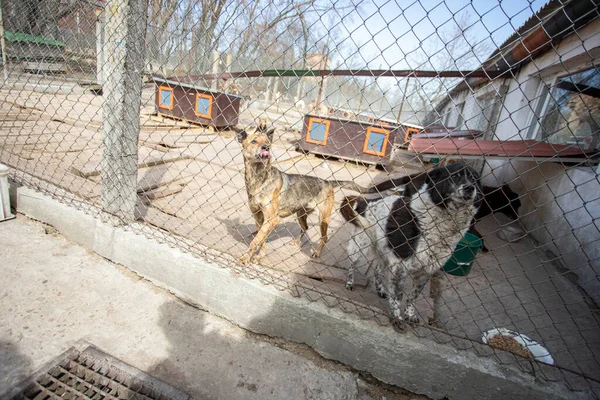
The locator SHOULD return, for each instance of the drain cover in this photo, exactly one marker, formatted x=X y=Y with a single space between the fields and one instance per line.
x=93 y=375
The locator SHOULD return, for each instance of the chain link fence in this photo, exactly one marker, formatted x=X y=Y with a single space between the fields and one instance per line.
x=133 y=112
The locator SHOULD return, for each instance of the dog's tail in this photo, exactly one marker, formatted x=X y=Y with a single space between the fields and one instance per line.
x=353 y=209
x=350 y=186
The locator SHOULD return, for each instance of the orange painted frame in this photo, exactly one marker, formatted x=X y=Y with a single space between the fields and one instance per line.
x=385 y=141
x=210 y=104
x=325 y=136
x=408 y=132
x=160 y=89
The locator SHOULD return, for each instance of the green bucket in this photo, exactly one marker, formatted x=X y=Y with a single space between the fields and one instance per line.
x=461 y=260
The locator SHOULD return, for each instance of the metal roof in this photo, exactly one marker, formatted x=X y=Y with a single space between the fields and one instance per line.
x=173 y=83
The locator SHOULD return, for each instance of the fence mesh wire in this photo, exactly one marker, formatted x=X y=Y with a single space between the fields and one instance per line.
x=365 y=92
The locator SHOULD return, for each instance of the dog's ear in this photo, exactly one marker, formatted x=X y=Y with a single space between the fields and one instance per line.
x=262 y=125
x=270 y=133
x=242 y=135
x=436 y=174
x=436 y=180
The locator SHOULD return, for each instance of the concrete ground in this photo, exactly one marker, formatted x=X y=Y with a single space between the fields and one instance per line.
x=518 y=286
x=55 y=293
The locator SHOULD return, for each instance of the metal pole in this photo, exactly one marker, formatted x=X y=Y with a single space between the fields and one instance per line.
x=3 y=45
x=362 y=96
x=403 y=100
x=324 y=63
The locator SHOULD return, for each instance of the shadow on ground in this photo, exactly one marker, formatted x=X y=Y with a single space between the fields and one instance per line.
x=210 y=358
x=14 y=366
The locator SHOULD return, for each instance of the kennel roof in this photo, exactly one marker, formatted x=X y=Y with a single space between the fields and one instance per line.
x=176 y=81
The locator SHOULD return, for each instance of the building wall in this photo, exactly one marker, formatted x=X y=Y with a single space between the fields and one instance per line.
x=561 y=204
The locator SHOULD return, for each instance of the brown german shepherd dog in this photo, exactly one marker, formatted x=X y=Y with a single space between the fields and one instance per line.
x=273 y=194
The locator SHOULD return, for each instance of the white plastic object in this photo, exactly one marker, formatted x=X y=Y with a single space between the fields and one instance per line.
x=538 y=351
x=510 y=233
x=4 y=197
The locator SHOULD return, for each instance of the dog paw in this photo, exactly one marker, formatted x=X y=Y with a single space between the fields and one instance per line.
x=315 y=255
x=295 y=242
x=382 y=294
x=412 y=320
x=485 y=250
x=397 y=324
x=350 y=286
x=245 y=259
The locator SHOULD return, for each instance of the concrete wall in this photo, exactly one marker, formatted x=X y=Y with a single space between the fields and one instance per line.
x=560 y=203
x=419 y=364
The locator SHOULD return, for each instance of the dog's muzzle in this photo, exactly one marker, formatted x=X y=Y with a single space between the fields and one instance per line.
x=264 y=153
x=467 y=192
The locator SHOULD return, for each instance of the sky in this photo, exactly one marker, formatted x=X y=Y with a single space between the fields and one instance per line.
x=390 y=33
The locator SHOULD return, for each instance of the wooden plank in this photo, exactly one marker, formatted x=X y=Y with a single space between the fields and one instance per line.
x=146 y=158
x=567 y=160
x=155 y=177
x=160 y=192
x=55 y=174
x=41 y=66
x=510 y=148
x=162 y=118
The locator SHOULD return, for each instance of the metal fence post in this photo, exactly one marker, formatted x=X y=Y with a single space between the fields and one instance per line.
x=125 y=28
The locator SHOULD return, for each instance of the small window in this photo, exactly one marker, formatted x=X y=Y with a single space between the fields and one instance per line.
x=409 y=132
x=376 y=141
x=483 y=121
x=318 y=131
x=572 y=116
x=536 y=117
x=166 y=99
x=203 y=106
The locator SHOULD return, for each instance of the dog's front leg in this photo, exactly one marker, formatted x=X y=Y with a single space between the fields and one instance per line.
x=270 y=221
x=325 y=209
x=379 y=286
x=420 y=279
x=353 y=250
x=397 y=281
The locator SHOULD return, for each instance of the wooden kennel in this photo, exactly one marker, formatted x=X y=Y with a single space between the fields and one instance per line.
x=182 y=100
x=366 y=140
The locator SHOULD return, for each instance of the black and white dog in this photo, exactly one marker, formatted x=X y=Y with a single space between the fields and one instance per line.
x=413 y=235
x=496 y=199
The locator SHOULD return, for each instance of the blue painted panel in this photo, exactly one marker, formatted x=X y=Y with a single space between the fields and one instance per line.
x=202 y=105
x=317 y=131
x=165 y=98
x=376 y=141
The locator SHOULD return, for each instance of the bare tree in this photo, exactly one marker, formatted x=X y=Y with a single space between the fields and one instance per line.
x=457 y=48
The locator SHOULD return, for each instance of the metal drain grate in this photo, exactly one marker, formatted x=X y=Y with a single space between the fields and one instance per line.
x=93 y=375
